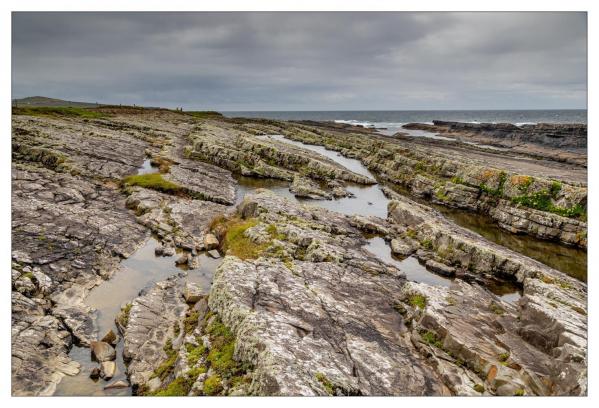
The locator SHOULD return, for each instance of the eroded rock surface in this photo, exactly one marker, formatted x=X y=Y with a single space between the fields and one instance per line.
x=67 y=234
x=151 y=321
x=462 y=340
x=298 y=305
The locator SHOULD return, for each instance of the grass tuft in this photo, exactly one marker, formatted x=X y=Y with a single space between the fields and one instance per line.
x=418 y=301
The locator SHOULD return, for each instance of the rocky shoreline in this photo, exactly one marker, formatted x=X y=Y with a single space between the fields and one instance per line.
x=298 y=305
x=533 y=203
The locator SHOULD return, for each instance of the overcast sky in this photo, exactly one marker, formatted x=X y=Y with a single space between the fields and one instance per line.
x=304 y=61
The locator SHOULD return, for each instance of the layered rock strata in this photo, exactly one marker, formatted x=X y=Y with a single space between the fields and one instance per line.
x=313 y=313
x=533 y=203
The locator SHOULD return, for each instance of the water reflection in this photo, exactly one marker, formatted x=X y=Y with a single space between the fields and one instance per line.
x=147 y=167
x=570 y=260
x=410 y=266
x=351 y=164
x=369 y=200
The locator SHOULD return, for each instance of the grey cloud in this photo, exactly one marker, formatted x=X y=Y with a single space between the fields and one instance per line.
x=287 y=61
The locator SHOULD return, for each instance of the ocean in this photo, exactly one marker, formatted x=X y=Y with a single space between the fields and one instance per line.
x=393 y=120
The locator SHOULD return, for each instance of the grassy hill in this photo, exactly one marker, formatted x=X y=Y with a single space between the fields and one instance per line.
x=35 y=101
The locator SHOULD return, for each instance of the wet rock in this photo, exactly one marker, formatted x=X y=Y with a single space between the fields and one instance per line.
x=95 y=373
x=107 y=369
x=440 y=268
x=159 y=250
x=110 y=338
x=552 y=134
x=102 y=351
x=182 y=260
x=401 y=248
x=116 y=384
x=210 y=242
x=214 y=254
x=193 y=262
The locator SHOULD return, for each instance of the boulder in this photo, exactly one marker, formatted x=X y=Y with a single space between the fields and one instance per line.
x=192 y=293
x=102 y=351
x=214 y=254
x=107 y=369
x=210 y=242
x=183 y=259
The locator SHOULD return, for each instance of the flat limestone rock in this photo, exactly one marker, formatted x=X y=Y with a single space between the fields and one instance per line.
x=210 y=242
x=150 y=325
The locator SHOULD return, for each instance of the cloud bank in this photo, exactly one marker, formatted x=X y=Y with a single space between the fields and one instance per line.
x=305 y=61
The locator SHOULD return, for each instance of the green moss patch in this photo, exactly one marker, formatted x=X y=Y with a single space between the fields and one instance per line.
x=123 y=316
x=167 y=366
x=236 y=243
x=328 y=385
x=154 y=181
x=213 y=385
x=418 y=301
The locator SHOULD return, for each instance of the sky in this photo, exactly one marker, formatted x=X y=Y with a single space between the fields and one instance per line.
x=304 y=61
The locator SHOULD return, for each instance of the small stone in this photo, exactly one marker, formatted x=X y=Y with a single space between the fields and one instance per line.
x=159 y=250
x=107 y=369
x=117 y=384
x=169 y=251
x=214 y=254
x=110 y=338
x=192 y=293
x=210 y=242
x=440 y=268
x=193 y=262
x=102 y=351
x=183 y=259
x=95 y=373
x=400 y=248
